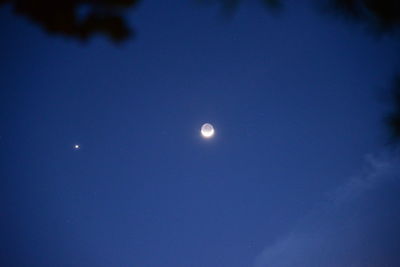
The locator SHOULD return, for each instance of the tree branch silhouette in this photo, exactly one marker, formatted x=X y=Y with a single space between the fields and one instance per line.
x=64 y=17
x=380 y=15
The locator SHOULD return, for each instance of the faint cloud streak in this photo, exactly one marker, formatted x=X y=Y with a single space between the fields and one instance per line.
x=357 y=226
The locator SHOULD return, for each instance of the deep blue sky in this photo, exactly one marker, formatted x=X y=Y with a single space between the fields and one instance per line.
x=296 y=101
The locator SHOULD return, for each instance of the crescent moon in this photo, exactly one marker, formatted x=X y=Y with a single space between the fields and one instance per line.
x=207 y=130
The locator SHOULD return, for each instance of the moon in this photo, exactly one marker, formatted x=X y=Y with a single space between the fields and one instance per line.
x=207 y=130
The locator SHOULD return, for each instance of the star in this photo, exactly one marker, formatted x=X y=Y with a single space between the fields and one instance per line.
x=77 y=147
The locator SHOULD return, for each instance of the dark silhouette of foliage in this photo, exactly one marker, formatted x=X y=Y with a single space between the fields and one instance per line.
x=65 y=17
x=393 y=119
x=104 y=16
x=380 y=15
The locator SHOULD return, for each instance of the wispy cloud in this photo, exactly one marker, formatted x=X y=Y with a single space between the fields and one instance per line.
x=358 y=226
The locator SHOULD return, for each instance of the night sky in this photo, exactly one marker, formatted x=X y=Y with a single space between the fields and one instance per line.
x=298 y=172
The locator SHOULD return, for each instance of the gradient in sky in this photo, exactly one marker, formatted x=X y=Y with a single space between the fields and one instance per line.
x=296 y=103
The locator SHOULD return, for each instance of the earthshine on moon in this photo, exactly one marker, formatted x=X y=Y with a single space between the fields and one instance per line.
x=207 y=130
